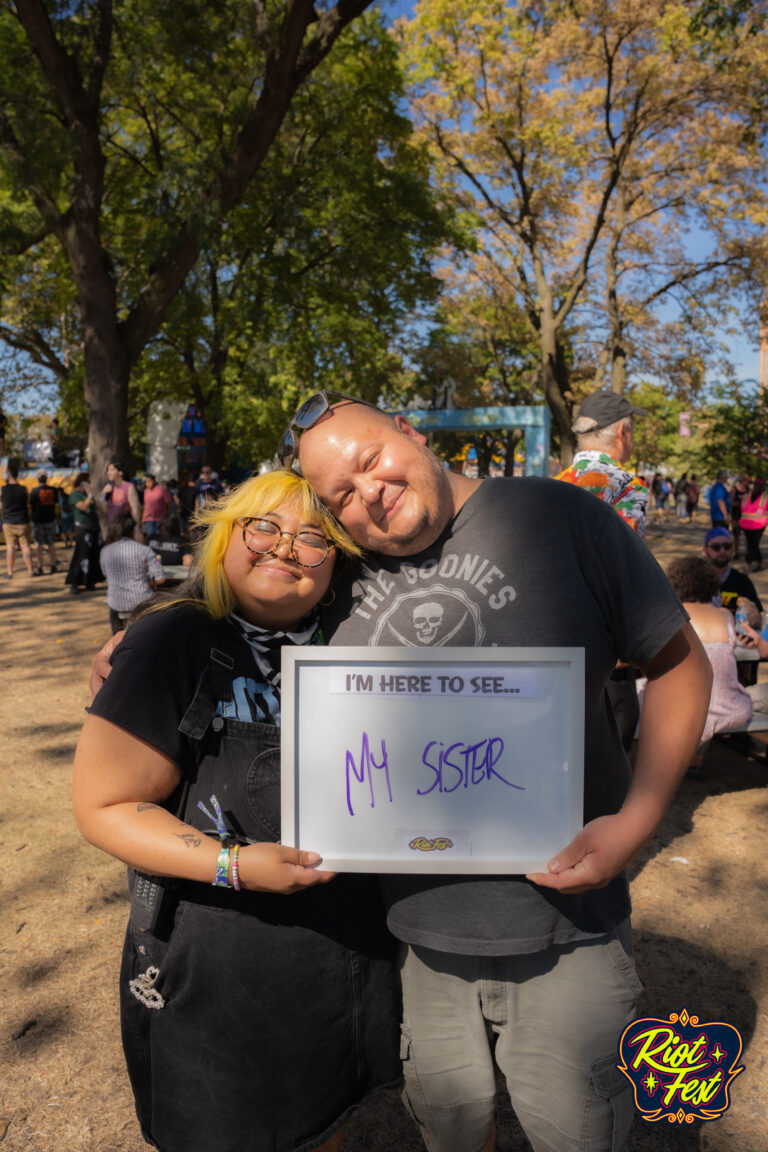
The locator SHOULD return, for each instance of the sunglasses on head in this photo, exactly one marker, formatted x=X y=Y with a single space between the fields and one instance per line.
x=306 y=416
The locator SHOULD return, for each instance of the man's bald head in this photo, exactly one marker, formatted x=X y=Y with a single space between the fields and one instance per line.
x=376 y=474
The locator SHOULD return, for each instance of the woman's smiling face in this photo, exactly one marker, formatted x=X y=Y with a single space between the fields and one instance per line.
x=271 y=589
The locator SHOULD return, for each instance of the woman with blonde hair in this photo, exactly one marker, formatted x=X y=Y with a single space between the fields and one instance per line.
x=257 y=992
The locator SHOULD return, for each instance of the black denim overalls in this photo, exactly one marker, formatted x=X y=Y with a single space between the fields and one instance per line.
x=254 y=1022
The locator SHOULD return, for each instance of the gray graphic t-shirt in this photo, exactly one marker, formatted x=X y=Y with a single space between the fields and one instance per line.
x=531 y=563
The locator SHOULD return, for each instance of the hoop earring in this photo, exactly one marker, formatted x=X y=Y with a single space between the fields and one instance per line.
x=327 y=603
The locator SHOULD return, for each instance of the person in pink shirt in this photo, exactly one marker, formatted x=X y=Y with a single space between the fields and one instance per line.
x=754 y=517
x=157 y=501
x=119 y=495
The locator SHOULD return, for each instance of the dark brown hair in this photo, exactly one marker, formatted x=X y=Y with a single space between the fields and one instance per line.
x=121 y=527
x=694 y=579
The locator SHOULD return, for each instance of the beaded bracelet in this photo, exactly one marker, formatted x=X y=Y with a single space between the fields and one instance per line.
x=221 y=879
x=236 y=866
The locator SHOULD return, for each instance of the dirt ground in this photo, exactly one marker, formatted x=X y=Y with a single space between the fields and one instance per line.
x=699 y=895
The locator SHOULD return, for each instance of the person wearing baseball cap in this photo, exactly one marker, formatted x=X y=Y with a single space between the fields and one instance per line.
x=605 y=429
x=734 y=585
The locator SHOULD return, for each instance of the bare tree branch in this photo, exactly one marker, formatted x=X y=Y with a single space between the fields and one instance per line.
x=687 y=275
x=60 y=70
x=330 y=25
x=38 y=349
x=102 y=45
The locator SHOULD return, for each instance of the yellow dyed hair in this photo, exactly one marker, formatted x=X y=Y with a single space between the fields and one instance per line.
x=208 y=585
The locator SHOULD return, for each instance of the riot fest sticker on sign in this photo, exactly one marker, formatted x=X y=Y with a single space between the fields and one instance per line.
x=681 y=1070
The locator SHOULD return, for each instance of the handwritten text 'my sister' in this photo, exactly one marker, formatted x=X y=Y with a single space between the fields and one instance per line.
x=455 y=766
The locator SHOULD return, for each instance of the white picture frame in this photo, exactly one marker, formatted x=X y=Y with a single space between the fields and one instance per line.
x=455 y=760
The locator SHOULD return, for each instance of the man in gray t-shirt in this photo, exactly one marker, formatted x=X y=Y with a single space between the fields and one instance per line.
x=542 y=961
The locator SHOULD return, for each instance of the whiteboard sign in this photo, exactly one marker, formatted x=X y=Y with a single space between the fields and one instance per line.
x=446 y=760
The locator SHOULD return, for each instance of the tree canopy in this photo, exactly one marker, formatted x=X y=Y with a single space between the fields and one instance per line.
x=230 y=205
x=587 y=139
x=317 y=269
x=733 y=432
x=129 y=133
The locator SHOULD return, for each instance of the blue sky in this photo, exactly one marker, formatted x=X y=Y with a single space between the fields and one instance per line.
x=396 y=8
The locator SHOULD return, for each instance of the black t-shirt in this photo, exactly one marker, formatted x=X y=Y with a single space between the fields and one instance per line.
x=523 y=563
x=186 y=494
x=156 y=670
x=42 y=504
x=170 y=551
x=738 y=584
x=736 y=498
x=14 y=500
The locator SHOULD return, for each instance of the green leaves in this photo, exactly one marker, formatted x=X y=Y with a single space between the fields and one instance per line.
x=314 y=273
x=131 y=134
x=589 y=141
x=735 y=431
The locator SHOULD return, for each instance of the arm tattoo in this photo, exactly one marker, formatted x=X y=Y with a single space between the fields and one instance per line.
x=145 y=806
x=189 y=839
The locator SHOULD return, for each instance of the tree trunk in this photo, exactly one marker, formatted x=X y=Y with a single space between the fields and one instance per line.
x=554 y=382
x=105 y=362
x=553 y=368
x=618 y=352
x=619 y=374
x=484 y=449
x=106 y=399
x=512 y=438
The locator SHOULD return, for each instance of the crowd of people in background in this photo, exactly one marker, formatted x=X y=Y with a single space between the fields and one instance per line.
x=722 y=602
x=131 y=531
x=121 y=535
x=739 y=504
x=47 y=516
x=680 y=497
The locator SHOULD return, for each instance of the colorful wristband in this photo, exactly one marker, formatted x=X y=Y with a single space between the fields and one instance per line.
x=217 y=820
x=221 y=880
x=236 y=866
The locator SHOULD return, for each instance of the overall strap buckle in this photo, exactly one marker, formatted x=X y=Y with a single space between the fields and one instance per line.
x=214 y=685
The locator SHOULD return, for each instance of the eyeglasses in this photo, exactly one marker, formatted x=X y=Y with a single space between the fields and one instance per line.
x=306 y=416
x=308 y=548
x=720 y=547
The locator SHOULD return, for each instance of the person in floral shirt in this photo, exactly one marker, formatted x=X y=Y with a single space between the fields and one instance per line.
x=606 y=431
x=605 y=427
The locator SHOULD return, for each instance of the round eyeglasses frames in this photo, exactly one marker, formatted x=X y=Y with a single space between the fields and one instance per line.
x=308 y=548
